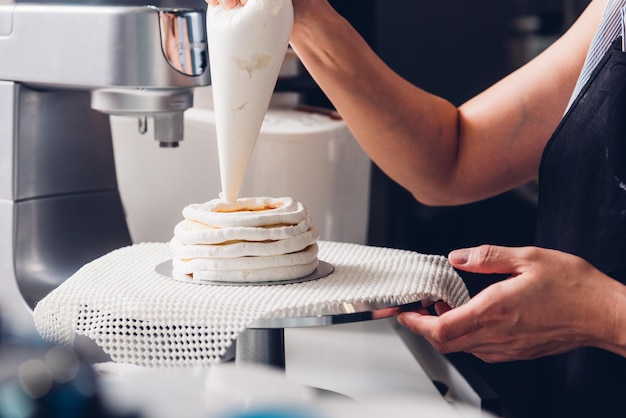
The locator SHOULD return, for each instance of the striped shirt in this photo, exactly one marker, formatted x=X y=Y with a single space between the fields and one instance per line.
x=610 y=28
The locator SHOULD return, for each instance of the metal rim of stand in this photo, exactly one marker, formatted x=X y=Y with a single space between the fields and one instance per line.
x=264 y=341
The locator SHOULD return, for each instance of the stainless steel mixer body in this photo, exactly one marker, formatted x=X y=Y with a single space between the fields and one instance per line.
x=63 y=69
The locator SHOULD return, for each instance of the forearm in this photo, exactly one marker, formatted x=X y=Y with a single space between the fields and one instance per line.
x=409 y=133
x=443 y=155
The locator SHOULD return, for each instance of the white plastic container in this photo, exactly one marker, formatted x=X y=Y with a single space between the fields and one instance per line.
x=307 y=156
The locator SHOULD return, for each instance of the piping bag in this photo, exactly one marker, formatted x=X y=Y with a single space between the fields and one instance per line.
x=247 y=46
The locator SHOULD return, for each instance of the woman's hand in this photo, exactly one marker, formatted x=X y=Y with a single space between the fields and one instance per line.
x=553 y=302
x=228 y=4
x=302 y=7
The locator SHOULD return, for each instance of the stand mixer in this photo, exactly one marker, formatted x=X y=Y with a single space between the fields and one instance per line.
x=65 y=68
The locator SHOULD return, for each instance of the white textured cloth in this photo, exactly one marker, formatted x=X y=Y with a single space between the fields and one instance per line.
x=139 y=317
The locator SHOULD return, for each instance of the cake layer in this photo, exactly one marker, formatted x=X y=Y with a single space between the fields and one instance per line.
x=191 y=232
x=260 y=239
x=249 y=212
x=273 y=274
x=306 y=256
x=245 y=248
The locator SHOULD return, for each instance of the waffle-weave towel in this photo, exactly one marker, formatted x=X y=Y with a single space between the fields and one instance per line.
x=139 y=317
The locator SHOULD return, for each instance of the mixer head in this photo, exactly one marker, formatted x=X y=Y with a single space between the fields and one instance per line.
x=137 y=59
x=183 y=42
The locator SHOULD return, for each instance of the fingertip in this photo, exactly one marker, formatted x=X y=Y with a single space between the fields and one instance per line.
x=459 y=257
x=405 y=318
x=411 y=320
x=442 y=307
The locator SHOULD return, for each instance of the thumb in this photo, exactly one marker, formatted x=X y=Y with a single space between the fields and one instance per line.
x=486 y=259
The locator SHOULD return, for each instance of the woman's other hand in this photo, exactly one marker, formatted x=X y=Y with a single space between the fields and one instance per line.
x=552 y=302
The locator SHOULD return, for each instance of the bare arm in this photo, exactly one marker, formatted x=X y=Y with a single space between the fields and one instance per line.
x=442 y=154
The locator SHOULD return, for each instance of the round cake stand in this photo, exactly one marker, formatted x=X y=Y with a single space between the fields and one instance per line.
x=263 y=342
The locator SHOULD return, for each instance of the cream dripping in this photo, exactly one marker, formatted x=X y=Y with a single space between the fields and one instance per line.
x=247 y=45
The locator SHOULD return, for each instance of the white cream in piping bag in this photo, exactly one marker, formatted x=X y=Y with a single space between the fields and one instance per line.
x=247 y=46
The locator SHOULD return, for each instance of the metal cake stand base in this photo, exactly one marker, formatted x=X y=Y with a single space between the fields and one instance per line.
x=264 y=341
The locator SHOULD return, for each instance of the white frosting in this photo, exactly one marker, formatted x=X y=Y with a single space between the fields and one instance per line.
x=273 y=274
x=192 y=232
x=248 y=212
x=249 y=240
x=247 y=46
x=245 y=248
x=306 y=256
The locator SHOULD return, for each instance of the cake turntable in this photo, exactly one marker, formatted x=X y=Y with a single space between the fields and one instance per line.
x=263 y=341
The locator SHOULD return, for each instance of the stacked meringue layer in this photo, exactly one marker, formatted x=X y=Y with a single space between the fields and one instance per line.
x=251 y=240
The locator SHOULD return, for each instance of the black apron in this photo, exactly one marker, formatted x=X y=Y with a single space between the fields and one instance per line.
x=582 y=211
